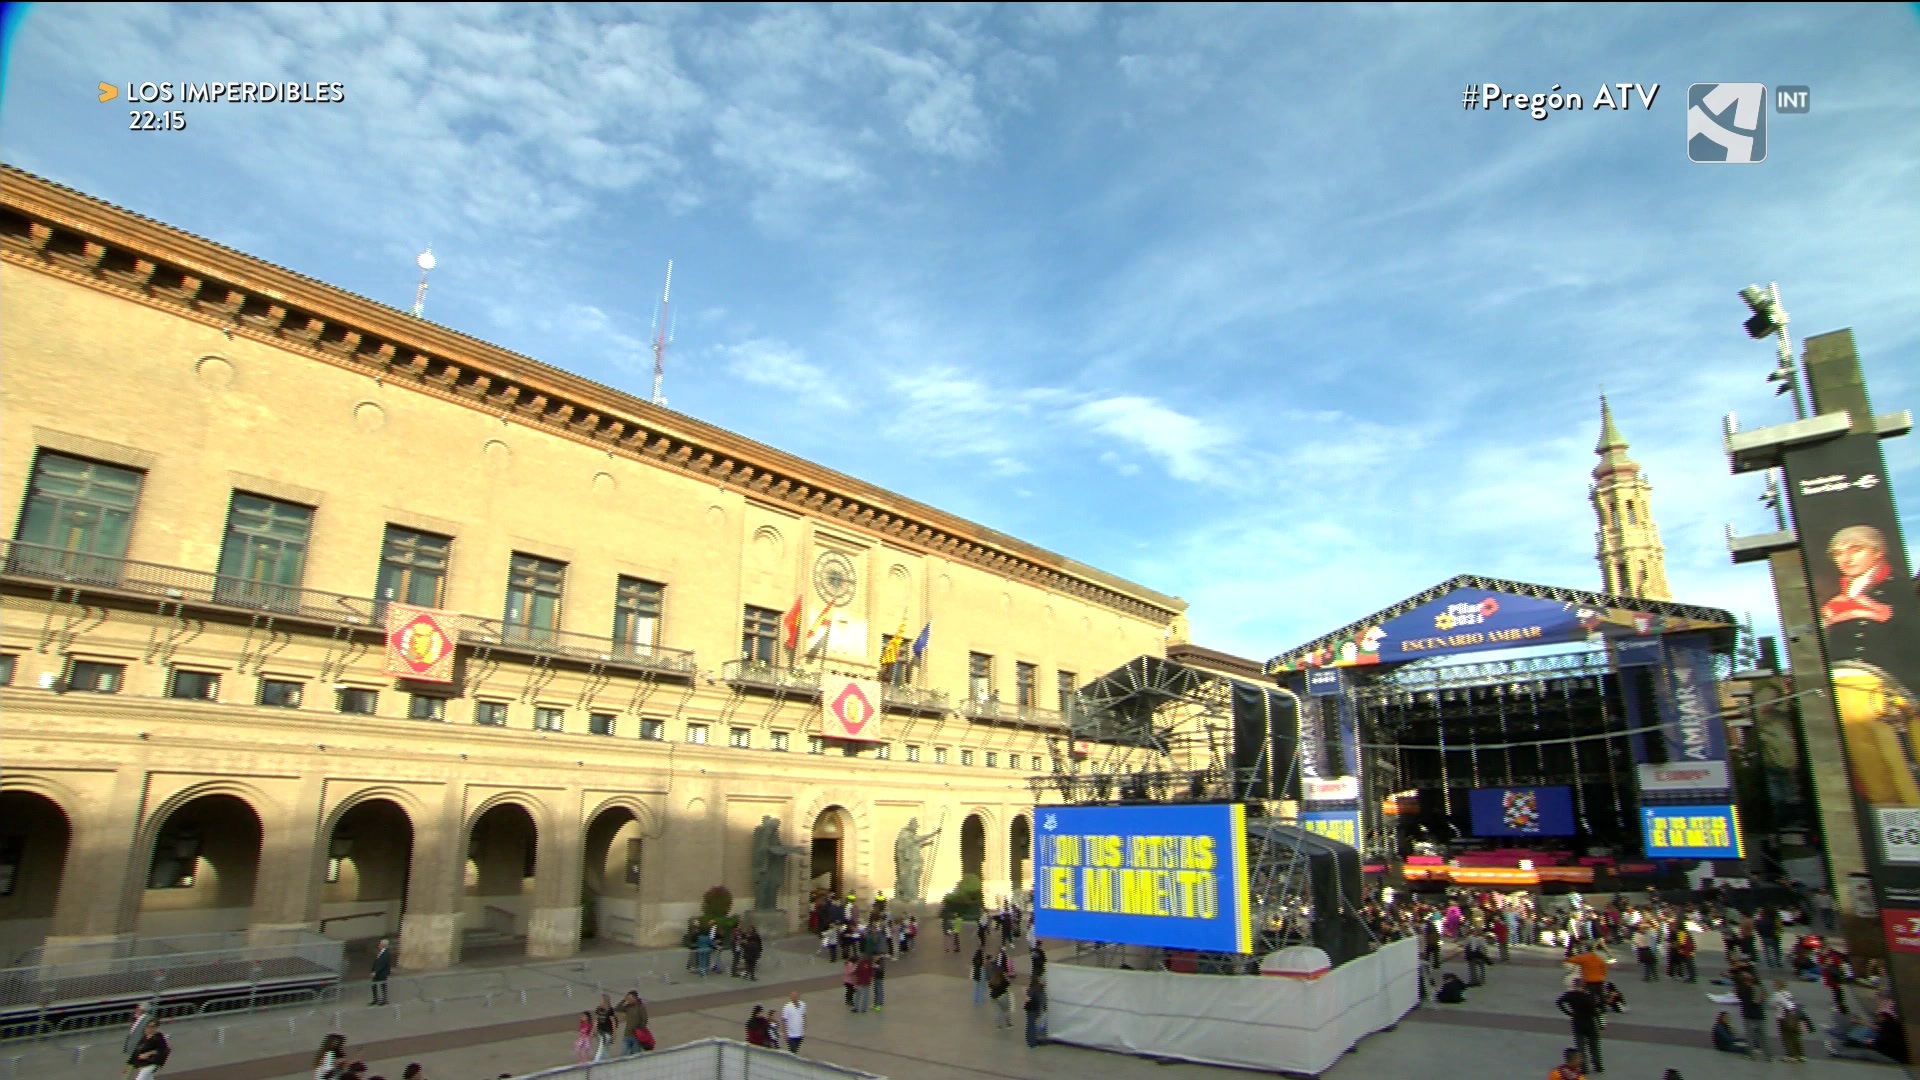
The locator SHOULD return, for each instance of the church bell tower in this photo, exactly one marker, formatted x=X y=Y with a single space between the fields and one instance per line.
x=1632 y=562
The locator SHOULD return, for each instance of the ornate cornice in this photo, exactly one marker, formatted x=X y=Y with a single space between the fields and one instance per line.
x=58 y=231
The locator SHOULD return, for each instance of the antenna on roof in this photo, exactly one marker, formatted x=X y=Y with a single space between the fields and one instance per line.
x=425 y=261
x=662 y=337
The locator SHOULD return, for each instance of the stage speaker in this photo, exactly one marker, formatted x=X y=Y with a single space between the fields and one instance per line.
x=1252 y=752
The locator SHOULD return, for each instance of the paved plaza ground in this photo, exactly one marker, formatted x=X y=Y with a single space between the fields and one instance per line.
x=929 y=1029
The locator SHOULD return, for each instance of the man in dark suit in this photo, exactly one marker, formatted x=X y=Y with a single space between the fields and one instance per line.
x=382 y=967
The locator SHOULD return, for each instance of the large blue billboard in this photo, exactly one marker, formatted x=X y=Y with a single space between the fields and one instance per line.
x=1171 y=876
x=1692 y=832
x=1528 y=811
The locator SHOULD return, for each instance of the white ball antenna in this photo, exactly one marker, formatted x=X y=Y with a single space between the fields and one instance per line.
x=425 y=261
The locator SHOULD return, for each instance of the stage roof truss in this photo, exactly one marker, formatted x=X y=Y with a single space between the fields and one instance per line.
x=1581 y=597
x=1152 y=704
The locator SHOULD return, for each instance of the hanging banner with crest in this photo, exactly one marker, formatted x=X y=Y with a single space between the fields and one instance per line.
x=850 y=709
x=420 y=643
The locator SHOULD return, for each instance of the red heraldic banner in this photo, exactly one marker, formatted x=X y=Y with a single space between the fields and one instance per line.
x=850 y=709
x=420 y=643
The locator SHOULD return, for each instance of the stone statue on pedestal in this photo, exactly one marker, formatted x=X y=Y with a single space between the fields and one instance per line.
x=769 y=863
x=907 y=861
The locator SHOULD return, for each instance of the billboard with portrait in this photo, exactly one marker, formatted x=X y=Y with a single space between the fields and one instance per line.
x=1869 y=619
x=1522 y=811
x=1173 y=876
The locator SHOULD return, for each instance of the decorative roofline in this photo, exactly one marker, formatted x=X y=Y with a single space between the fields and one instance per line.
x=1582 y=597
x=56 y=230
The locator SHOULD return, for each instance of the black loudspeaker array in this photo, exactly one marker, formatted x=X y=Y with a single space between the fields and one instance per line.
x=1266 y=736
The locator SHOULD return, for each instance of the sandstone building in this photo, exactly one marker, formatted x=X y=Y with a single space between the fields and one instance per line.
x=224 y=471
x=1633 y=563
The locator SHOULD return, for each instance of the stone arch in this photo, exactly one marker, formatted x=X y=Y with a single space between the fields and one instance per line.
x=533 y=806
x=857 y=856
x=366 y=865
x=407 y=801
x=975 y=840
x=646 y=815
x=1020 y=852
x=68 y=800
x=501 y=846
x=613 y=856
x=38 y=866
x=199 y=859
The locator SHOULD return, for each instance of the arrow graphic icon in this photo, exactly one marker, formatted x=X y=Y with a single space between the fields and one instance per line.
x=108 y=92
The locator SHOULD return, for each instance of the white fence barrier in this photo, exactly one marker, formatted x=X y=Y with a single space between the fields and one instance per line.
x=1269 y=1023
x=708 y=1059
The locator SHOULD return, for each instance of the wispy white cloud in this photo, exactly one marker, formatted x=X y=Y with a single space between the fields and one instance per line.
x=1189 y=448
x=782 y=368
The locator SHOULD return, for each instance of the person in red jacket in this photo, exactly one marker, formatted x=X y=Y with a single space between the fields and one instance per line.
x=1500 y=936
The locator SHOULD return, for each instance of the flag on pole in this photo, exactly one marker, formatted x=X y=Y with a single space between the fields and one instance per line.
x=891 y=654
x=920 y=643
x=820 y=622
x=790 y=625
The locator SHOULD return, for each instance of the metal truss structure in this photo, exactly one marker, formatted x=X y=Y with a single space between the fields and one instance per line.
x=1181 y=714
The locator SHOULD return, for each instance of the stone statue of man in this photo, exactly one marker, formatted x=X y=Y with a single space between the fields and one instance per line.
x=907 y=861
x=769 y=863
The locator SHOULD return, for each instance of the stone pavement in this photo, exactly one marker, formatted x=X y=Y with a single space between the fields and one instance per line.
x=930 y=1029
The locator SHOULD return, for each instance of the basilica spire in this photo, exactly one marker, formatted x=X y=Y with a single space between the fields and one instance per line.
x=1632 y=561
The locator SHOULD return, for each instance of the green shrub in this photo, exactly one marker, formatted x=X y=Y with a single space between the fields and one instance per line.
x=967 y=900
x=717 y=903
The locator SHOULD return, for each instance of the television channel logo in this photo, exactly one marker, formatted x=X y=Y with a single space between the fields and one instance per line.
x=1727 y=123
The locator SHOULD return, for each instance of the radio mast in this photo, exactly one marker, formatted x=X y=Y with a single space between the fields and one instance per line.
x=662 y=337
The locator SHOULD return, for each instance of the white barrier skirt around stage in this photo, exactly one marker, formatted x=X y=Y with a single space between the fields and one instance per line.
x=1260 y=1022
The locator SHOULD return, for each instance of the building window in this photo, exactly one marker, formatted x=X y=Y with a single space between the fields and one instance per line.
x=850 y=749
x=993 y=760
x=333 y=870
x=778 y=741
x=281 y=693
x=816 y=744
x=966 y=757
x=90 y=677
x=600 y=723
x=883 y=752
x=653 y=730
x=264 y=554
x=7 y=661
x=426 y=707
x=355 y=700
x=760 y=635
x=740 y=738
x=979 y=677
x=533 y=598
x=696 y=734
x=1064 y=681
x=548 y=718
x=79 y=514
x=1013 y=761
x=413 y=568
x=1026 y=684
x=193 y=685
x=490 y=713
x=913 y=752
x=939 y=755
x=636 y=615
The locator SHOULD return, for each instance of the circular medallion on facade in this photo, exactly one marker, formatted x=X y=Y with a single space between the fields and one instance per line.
x=834 y=578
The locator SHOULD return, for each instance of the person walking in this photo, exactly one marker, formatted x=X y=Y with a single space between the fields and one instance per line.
x=1582 y=1010
x=150 y=1056
x=1792 y=1021
x=847 y=968
x=1644 y=939
x=1037 y=959
x=1036 y=1006
x=759 y=1028
x=863 y=984
x=980 y=976
x=382 y=967
x=793 y=1022
x=1753 y=1014
x=604 y=1024
x=879 y=983
x=1000 y=989
x=750 y=951
x=326 y=1061
x=136 y=1031
x=703 y=952
x=1767 y=929
x=632 y=1014
x=583 y=1039
x=1502 y=933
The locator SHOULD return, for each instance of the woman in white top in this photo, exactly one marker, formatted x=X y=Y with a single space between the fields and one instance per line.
x=332 y=1054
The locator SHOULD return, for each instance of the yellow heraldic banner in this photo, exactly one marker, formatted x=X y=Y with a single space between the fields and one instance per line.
x=850 y=709
x=420 y=643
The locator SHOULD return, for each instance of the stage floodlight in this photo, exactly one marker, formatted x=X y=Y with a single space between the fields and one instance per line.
x=1766 y=320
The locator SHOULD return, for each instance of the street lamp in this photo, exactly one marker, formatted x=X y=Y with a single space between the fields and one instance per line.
x=1769 y=319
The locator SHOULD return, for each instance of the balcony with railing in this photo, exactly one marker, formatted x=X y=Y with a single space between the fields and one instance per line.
x=503 y=636
x=992 y=710
x=914 y=699
x=34 y=564
x=770 y=677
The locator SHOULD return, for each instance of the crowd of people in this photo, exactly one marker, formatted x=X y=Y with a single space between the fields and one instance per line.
x=707 y=940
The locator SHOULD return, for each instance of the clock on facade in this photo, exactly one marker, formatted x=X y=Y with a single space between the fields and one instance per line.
x=834 y=578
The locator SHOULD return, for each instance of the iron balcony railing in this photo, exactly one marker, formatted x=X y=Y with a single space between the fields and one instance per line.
x=533 y=639
x=762 y=675
x=202 y=589
x=913 y=698
x=994 y=711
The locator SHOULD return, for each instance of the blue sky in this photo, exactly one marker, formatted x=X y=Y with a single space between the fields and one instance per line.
x=1239 y=303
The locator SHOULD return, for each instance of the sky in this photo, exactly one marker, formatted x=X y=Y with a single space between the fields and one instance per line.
x=1239 y=303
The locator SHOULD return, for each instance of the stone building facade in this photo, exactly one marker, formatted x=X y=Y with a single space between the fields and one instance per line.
x=223 y=471
x=1632 y=560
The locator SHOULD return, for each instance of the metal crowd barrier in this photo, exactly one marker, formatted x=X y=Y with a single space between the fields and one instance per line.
x=708 y=1059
